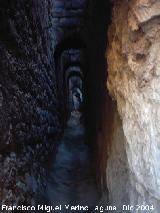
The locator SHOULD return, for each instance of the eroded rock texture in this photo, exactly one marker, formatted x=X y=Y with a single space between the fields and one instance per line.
x=36 y=41
x=29 y=109
x=134 y=75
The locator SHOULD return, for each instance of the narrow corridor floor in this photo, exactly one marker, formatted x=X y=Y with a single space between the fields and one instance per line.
x=71 y=180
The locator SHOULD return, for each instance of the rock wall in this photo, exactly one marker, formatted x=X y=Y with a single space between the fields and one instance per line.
x=29 y=109
x=134 y=78
x=118 y=181
x=32 y=98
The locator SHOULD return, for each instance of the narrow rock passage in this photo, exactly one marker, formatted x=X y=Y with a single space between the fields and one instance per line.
x=71 y=180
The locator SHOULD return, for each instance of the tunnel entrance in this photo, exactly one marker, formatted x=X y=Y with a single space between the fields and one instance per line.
x=71 y=179
x=77 y=172
x=69 y=65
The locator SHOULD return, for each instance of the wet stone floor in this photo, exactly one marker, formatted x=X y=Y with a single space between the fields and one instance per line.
x=70 y=180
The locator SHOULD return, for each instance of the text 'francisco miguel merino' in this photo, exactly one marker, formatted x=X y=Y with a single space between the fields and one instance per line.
x=43 y=208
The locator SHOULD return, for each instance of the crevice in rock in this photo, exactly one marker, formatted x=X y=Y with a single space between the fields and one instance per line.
x=79 y=96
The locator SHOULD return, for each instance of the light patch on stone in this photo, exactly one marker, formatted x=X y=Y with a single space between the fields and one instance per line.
x=135 y=84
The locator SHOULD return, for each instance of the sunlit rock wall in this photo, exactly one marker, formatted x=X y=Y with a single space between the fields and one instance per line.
x=134 y=82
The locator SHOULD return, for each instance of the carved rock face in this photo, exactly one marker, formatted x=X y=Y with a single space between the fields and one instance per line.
x=133 y=58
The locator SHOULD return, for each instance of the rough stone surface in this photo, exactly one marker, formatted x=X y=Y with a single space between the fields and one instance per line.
x=134 y=75
x=32 y=102
x=117 y=167
x=29 y=108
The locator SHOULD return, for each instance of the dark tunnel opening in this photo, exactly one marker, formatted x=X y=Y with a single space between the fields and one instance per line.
x=81 y=72
x=68 y=54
